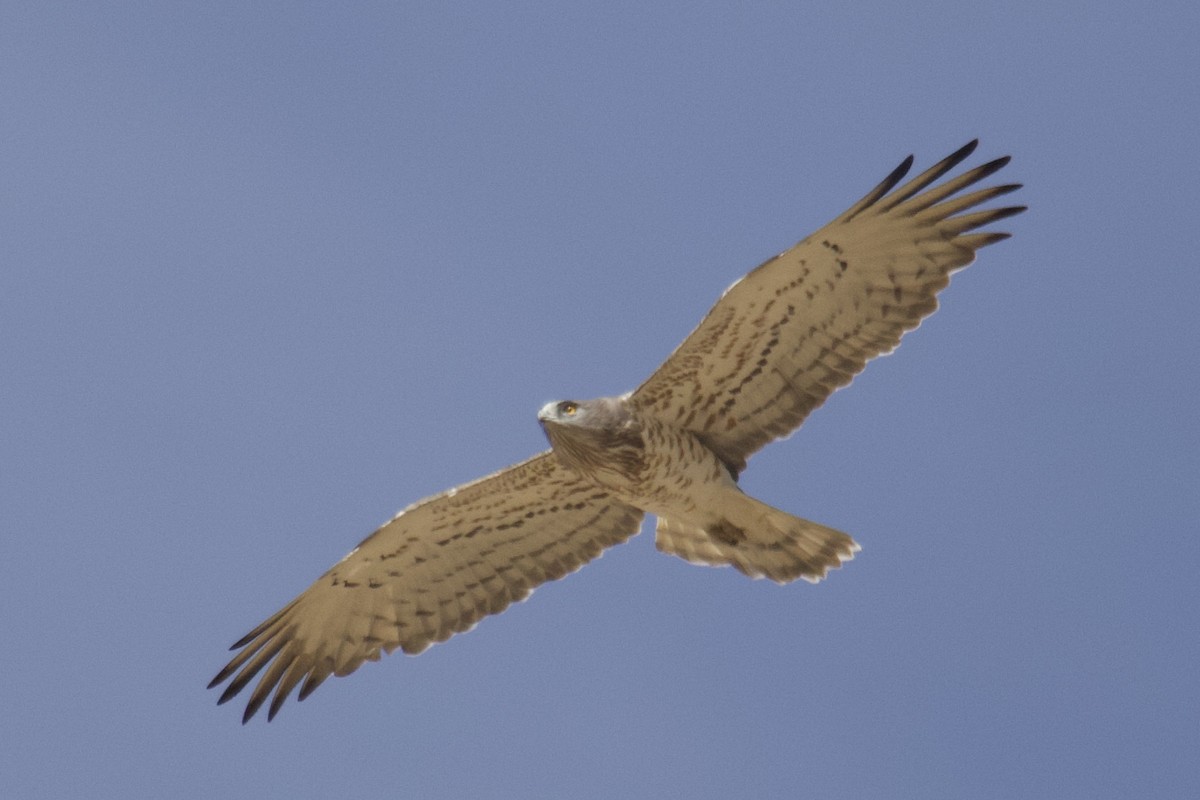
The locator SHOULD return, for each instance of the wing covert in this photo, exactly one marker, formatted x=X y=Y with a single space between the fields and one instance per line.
x=434 y=570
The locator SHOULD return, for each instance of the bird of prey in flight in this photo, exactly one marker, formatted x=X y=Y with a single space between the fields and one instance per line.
x=777 y=343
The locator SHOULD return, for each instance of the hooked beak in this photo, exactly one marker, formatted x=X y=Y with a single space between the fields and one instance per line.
x=547 y=413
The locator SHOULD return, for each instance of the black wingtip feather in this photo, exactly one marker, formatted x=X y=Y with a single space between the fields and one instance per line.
x=899 y=172
x=253 y=706
x=230 y=691
x=964 y=151
x=1010 y=211
x=885 y=186
x=888 y=183
x=990 y=167
x=975 y=241
x=996 y=214
x=311 y=682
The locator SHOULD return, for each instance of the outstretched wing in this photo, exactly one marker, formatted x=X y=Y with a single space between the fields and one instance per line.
x=433 y=571
x=785 y=336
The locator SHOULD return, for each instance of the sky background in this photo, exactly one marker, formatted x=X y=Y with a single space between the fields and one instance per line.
x=271 y=271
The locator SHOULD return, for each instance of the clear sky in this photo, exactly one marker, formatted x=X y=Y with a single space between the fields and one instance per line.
x=271 y=271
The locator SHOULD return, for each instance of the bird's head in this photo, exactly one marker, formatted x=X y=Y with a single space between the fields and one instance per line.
x=592 y=432
x=563 y=412
x=608 y=413
x=570 y=427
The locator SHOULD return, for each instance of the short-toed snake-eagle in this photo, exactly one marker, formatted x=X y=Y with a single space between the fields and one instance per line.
x=774 y=347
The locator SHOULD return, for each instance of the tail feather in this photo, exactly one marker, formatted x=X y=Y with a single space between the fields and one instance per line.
x=764 y=542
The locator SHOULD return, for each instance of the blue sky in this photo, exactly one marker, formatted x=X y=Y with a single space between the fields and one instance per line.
x=270 y=272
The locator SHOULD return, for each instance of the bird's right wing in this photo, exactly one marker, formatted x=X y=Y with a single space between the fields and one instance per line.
x=785 y=336
x=433 y=571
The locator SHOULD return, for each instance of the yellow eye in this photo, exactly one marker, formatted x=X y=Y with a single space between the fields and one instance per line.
x=568 y=409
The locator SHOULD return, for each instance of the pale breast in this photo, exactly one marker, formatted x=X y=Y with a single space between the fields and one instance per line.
x=678 y=471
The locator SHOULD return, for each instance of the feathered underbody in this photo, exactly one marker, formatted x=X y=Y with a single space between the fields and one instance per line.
x=775 y=346
x=702 y=514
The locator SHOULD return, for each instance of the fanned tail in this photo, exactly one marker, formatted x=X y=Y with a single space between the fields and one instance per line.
x=759 y=541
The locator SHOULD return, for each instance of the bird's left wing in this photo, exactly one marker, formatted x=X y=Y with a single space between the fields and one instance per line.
x=785 y=336
x=433 y=571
